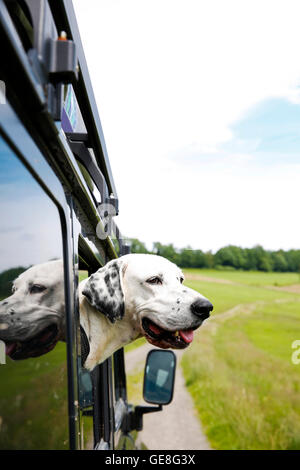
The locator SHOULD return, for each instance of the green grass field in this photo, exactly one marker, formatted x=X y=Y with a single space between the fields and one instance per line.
x=254 y=278
x=34 y=401
x=238 y=369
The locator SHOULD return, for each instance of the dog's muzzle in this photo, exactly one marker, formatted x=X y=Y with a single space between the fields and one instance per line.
x=177 y=339
x=40 y=344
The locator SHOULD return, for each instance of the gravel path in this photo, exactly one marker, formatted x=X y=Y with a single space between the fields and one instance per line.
x=177 y=426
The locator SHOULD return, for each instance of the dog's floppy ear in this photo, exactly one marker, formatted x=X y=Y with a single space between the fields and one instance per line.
x=104 y=290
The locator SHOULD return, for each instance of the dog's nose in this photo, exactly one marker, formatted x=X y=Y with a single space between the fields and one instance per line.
x=202 y=308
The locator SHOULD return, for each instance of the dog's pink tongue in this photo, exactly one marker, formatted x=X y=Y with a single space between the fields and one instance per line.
x=155 y=329
x=187 y=335
x=9 y=349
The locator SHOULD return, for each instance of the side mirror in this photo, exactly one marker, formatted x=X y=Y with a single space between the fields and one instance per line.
x=158 y=389
x=159 y=377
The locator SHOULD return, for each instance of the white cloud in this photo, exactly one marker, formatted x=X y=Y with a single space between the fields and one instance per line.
x=170 y=78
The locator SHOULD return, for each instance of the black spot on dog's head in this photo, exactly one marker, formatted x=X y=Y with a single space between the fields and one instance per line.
x=109 y=285
x=103 y=294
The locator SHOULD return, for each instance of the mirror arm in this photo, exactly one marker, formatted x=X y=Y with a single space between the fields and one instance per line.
x=147 y=409
x=134 y=419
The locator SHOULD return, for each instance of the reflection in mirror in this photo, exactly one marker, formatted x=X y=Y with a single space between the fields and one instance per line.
x=159 y=377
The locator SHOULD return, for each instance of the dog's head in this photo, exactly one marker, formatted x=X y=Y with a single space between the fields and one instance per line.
x=32 y=318
x=147 y=291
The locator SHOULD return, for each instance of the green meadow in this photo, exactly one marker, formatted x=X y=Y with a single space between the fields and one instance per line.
x=245 y=388
x=238 y=369
x=34 y=400
x=253 y=278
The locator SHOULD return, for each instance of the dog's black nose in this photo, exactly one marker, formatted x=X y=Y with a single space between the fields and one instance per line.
x=201 y=308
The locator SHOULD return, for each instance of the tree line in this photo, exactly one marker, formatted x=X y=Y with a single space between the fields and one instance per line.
x=229 y=257
x=6 y=279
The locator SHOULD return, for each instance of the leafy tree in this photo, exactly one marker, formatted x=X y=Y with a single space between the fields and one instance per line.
x=251 y=259
x=279 y=262
x=137 y=246
x=167 y=251
x=293 y=260
x=6 y=279
x=201 y=259
x=209 y=259
x=186 y=258
x=228 y=257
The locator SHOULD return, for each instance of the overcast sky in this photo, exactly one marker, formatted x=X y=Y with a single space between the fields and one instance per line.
x=200 y=108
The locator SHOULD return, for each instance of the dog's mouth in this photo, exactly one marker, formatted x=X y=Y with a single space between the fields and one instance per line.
x=42 y=343
x=165 y=339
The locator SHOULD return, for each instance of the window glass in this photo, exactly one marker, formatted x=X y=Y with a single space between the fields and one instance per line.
x=33 y=371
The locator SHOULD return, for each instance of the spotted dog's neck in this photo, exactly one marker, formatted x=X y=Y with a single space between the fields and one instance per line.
x=104 y=337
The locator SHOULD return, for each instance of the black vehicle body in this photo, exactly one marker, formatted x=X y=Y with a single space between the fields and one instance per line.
x=55 y=179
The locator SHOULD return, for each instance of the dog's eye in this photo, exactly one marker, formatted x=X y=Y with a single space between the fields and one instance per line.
x=154 y=280
x=181 y=280
x=36 y=289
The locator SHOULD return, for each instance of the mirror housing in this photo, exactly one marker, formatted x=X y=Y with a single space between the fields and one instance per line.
x=159 y=377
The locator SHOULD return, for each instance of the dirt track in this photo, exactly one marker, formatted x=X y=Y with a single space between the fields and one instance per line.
x=199 y=277
x=293 y=288
x=177 y=426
